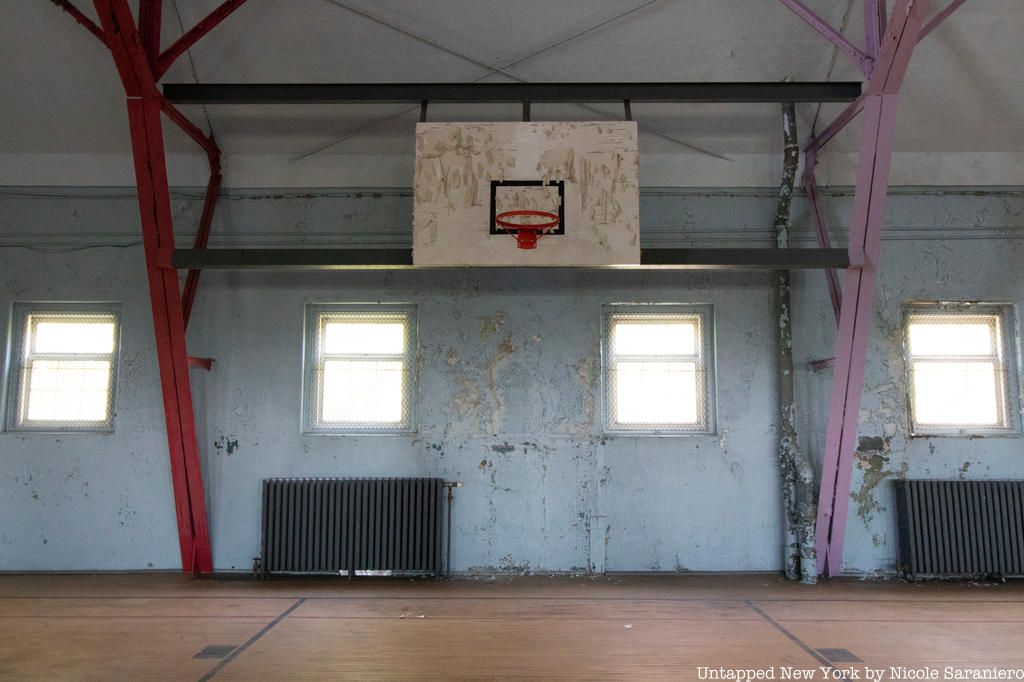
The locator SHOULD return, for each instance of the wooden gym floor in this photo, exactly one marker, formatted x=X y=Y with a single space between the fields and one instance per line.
x=163 y=626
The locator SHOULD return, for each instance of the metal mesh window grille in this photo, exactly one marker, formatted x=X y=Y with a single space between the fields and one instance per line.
x=958 y=379
x=65 y=366
x=656 y=372
x=362 y=367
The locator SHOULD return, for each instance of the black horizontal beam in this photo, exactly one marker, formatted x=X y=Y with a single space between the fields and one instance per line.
x=385 y=259
x=340 y=93
x=753 y=259
x=290 y=259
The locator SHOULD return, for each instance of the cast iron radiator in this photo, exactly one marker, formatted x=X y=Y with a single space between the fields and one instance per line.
x=344 y=525
x=960 y=528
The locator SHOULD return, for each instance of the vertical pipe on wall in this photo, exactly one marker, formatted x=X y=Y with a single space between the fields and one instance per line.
x=784 y=350
x=796 y=473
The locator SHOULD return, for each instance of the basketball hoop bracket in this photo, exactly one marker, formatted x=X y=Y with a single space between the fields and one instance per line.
x=559 y=185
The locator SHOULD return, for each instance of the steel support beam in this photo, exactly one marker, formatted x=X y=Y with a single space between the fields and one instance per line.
x=855 y=322
x=416 y=93
x=841 y=121
x=377 y=259
x=863 y=61
x=144 y=111
x=874 y=26
x=937 y=20
x=78 y=16
x=192 y=36
x=835 y=294
x=192 y=130
x=188 y=294
x=150 y=13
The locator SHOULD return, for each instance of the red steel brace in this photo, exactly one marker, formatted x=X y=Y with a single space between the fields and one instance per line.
x=136 y=53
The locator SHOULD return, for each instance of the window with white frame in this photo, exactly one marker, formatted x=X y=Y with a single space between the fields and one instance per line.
x=360 y=368
x=960 y=368
x=658 y=369
x=63 y=367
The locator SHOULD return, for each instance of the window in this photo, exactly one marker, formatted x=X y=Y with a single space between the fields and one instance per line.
x=63 y=367
x=359 y=372
x=959 y=369
x=658 y=376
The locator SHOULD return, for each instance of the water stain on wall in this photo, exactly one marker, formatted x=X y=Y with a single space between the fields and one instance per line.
x=505 y=350
x=586 y=372
x=491 y=325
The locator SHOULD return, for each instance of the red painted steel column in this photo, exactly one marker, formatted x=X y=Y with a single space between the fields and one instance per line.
x=144 y=111
x=169 y=327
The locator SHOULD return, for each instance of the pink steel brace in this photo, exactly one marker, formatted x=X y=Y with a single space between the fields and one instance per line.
x=864 y=62
x=879 y=106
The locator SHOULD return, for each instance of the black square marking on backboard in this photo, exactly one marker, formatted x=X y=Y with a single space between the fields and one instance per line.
x=560 y=184
x=839 y=656
x=216 y=651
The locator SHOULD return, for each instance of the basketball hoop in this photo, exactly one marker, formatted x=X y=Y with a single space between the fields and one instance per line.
x=526 y=234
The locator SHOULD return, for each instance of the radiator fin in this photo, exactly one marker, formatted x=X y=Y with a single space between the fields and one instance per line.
x=332 y=525
x=960 y=528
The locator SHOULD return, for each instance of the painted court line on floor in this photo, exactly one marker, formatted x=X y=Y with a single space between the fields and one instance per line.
x=252 y=640
x=793 y=638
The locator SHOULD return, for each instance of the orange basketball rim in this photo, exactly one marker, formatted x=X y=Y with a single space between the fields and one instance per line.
x=526 y=233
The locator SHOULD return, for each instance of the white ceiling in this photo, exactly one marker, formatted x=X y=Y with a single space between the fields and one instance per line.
x=61 y=98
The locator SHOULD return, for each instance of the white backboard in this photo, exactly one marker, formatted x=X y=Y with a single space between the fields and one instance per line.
x=468 y=172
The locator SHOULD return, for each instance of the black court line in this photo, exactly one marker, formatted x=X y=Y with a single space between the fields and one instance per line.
x=793 y=638
x=252 y=640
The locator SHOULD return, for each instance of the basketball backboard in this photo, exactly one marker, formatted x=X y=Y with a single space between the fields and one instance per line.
x=476 y=182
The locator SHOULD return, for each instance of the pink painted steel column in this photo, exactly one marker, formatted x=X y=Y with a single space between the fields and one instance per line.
x=880 y=103
x=854 y=330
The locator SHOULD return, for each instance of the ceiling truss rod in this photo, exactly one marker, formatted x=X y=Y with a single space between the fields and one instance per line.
x=506 y=70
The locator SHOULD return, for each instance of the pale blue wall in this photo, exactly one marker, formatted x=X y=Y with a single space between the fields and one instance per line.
x=521 y=428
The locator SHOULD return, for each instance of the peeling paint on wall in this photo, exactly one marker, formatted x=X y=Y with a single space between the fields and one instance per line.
x=586 y=372
x=531 y=503
x=504 y=351
x=228 y=444
x=873 y=453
